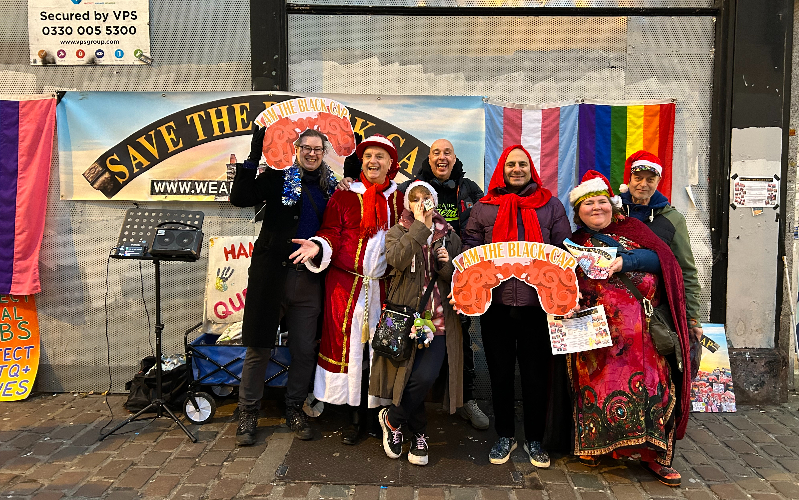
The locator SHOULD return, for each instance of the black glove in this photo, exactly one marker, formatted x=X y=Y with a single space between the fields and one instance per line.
x=257 y=144
x=352 y=164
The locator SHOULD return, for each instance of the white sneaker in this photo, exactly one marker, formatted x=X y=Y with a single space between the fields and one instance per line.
x=471 y=412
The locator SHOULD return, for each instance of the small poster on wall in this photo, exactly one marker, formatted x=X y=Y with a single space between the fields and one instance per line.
x=755 y=192
x=76 y=32
x=19 y=346
x=712 y=389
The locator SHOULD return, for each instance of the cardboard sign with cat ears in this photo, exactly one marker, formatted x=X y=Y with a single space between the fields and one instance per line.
x=286 y=120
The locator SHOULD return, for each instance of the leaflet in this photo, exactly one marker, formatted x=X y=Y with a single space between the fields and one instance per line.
x=594 y=261
x=586 y=330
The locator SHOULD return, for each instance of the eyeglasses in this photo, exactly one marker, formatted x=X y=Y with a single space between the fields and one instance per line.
x=309 y=149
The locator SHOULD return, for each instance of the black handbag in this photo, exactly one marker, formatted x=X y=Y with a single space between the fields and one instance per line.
x=392 y=335
x=659 y=323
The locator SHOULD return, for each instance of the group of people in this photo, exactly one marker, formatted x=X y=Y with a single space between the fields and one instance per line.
x=379 y=242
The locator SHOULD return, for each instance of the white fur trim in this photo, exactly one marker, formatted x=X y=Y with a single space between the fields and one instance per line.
x=647 y=163
x=419 y=183
x=377 y=140
x=616 y=200
x=623 y=188
x=327 y=254
x=594 y=185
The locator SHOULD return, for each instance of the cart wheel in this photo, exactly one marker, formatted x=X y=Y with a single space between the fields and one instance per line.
x=206 y=407
x=222 y=391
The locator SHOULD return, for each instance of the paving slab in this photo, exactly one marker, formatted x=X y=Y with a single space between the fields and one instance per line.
x=50 y=451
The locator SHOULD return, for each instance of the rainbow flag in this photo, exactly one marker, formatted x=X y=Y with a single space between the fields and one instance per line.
x=26 y=146
x=547 y=132
x=610 y=134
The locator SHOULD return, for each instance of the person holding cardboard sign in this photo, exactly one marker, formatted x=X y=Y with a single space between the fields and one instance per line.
x=294 y=200
x=517 y=208
x=628 y=399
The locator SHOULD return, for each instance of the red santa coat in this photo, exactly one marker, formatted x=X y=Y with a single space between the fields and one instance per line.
x=353 y=283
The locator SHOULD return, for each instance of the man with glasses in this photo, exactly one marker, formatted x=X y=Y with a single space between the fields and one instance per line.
x=293 y=202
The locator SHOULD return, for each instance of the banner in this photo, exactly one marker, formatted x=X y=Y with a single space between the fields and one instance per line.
x=609 y=134
x=547 y=132
x=178 y=146
x=72 y=32
x=19 y=346
x=26 y=147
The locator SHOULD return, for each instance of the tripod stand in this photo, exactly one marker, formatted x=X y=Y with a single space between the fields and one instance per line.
x=137 y=235
x=158 y=403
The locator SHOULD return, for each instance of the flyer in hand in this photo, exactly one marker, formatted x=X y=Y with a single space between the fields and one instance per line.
x=594 y=261
x=586 y=330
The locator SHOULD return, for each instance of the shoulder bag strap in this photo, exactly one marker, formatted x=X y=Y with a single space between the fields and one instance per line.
x=645 y=303
x=426 y=297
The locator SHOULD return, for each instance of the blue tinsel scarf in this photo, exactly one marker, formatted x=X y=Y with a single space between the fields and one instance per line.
x=292 y=185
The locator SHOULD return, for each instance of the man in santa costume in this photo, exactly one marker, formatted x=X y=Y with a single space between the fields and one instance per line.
x=351 y=245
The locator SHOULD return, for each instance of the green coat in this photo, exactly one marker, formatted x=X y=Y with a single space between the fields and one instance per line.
x=388 y=378
x=680 y=245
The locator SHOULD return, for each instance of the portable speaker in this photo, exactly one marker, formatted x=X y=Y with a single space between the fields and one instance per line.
x=177 y=243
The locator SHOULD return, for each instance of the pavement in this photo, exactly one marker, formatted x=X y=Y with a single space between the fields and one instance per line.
x=49 y=449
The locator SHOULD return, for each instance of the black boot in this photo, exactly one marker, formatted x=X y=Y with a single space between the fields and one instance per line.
x=298 y=423
x=372 y=423
x=248 y=423
x=352 y=432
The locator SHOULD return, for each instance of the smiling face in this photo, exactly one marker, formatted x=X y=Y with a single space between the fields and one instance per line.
x=442 y=159
x=596 y=212
x=517 y=171
x=376 y=164
x=310 y=153
x=642 y=186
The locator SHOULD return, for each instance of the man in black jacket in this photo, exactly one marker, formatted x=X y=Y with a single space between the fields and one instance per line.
x=294 y=200
x=456 y=196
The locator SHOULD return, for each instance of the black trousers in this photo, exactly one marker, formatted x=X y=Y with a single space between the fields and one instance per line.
x=468 y=359
x=426 y=366
x=511 y=334
x=301 y=306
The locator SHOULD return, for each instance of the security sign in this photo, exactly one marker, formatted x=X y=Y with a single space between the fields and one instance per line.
x=72 y=32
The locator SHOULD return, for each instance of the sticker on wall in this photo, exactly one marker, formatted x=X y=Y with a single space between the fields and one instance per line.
x=19 y=346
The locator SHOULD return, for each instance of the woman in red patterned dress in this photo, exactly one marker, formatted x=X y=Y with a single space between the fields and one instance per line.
x=628 y=400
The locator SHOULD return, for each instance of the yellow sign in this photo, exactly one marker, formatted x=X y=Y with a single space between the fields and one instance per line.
x=19 y=346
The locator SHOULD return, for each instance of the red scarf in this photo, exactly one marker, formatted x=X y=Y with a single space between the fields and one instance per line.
x=505 y=228
x=375 y=215
x=636 y=231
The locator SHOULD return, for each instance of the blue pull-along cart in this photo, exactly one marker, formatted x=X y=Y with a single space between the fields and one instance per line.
x=219 y=367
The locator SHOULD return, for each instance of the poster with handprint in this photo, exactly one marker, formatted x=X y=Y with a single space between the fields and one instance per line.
x=226 y=283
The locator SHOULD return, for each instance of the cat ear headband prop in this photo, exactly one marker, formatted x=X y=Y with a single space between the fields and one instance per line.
x=286 y=120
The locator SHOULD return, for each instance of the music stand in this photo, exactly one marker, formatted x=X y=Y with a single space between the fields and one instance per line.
x=135 y=240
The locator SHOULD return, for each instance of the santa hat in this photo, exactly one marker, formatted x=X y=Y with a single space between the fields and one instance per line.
x=593 y=184
x=638 y=162
x=419 y=183
x=381 y=142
